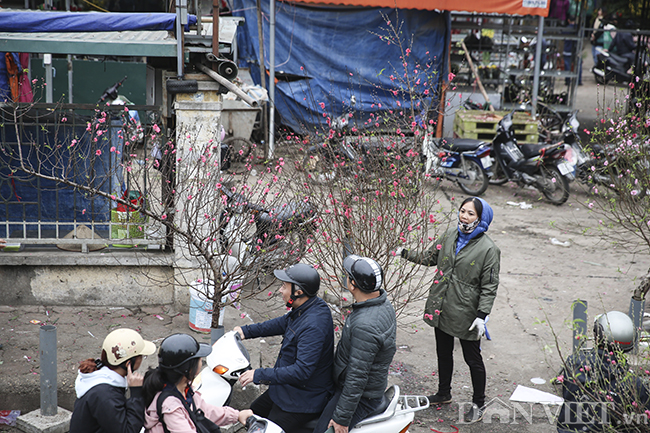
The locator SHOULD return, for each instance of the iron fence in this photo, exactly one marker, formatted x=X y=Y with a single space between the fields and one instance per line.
x=62 y=165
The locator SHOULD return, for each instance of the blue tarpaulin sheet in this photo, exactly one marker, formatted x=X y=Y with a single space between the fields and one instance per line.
x=54 y=22
x=324 y=56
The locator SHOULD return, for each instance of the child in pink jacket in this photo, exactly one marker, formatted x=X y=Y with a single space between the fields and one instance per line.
x=179 y=359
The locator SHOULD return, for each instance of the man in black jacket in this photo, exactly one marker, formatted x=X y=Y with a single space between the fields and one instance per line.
x=365 y=350
x=300 y=383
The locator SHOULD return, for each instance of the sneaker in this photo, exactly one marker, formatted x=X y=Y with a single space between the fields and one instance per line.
x=475 y=414
x=439 y=399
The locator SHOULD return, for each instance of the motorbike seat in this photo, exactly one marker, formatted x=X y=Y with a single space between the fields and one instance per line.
x=460 y=144
x=386 y=409
x=531 y=150
x=294 y=212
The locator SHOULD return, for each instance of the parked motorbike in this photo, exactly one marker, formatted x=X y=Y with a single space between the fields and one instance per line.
x=229 y=359
x=463 y=160
x=611 y=67
x=349 y=153
x=543 y=166
x=590 y=167
x=249 y=230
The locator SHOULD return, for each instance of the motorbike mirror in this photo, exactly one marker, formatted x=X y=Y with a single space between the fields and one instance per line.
x=575 y=123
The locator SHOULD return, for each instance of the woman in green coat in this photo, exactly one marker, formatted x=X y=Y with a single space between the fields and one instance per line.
x=461 y=296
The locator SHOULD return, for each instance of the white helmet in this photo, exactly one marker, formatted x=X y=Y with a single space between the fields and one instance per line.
x=614 y=330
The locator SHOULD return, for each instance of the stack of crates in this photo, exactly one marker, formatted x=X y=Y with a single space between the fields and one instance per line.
x=482 y=125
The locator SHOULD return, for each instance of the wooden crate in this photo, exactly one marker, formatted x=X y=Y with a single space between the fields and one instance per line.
x=482 y=125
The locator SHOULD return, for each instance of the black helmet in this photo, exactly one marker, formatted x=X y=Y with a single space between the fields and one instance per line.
x=302 y=275
x=366 y=273
x=177 y=349
x=615 y=330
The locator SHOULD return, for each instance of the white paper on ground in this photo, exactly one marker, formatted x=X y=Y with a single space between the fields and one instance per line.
x=532 y=395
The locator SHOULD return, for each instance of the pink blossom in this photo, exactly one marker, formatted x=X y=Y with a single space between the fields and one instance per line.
x=560 y=378
x=437 y=312
x=98 y=152
x=438 y=247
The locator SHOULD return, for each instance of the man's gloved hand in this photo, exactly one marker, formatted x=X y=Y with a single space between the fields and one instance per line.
x=479 y=324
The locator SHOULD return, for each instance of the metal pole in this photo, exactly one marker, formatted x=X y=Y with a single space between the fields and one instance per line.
x=272 y=81
x=70 y=76
x=181 y=6
x=48 y=370
x=69 y=58
x=579 y=323
x=215 y=30
x=636 y=314
x=47 y=61
x=538 y=62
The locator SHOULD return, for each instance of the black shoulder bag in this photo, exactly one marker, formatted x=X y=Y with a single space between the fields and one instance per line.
x=202 y=424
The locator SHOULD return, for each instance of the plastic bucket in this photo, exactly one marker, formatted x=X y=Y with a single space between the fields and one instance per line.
x=201 y=307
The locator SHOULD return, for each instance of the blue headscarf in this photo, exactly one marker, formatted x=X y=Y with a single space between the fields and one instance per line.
x=486 y=219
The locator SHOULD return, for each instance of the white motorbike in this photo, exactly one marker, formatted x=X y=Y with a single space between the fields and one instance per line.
x=229 y=359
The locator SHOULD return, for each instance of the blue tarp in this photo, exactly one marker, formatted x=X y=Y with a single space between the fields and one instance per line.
x=53 y=22
x=325 y=55
x=32 y=199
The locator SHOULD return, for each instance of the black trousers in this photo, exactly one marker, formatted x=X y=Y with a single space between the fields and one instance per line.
x=473 y=358
x=289 y=421
x=365 y=407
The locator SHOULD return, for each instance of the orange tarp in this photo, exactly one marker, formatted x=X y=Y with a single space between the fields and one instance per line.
x=510 y=7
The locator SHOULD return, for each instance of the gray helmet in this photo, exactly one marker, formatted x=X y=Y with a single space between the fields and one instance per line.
x=614 y=330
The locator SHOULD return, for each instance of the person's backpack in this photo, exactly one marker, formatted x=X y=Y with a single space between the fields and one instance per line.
x=202 y=424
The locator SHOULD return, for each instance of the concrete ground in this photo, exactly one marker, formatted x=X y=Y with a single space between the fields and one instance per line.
x=528 y=325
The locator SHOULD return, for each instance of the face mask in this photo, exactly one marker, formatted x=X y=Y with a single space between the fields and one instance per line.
x=467 y=228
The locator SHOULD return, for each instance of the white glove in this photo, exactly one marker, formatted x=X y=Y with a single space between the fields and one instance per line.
x=479 y=324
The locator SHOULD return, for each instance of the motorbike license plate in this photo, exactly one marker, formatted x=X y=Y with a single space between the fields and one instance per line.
x=565 y=168
x=486 y=161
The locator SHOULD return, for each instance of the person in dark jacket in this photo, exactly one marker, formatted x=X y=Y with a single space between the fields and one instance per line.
x=300 y=383
x=462 y=296
x=600 y=392
x=101 y=404
x=365 y=350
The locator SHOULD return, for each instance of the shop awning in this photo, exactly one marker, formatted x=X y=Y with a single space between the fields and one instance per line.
x=510 y=7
